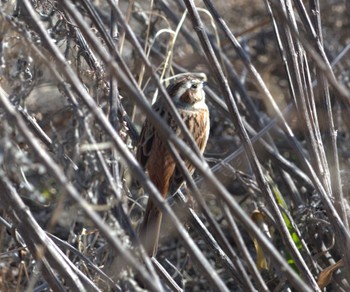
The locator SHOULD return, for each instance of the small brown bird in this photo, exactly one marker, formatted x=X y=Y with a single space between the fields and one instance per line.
x=152 y=153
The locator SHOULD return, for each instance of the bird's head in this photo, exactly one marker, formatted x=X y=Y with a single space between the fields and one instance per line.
x=188 y=92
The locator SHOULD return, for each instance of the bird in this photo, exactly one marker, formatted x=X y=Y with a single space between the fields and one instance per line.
x=188 y=96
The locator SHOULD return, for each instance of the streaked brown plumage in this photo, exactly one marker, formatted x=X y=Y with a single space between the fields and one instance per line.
x=152 y=153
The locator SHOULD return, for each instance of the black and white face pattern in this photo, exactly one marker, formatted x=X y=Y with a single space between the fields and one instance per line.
x=188 y=92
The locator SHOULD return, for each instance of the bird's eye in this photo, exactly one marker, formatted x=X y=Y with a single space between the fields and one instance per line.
x=194 y=86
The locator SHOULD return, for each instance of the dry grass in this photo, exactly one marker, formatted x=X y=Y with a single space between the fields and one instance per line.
x=76 y=83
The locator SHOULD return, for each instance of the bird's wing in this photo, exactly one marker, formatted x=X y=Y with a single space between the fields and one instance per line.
x=147 y=135
x=145 y=143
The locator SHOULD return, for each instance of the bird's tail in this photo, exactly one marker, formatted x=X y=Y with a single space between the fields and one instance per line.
x=150 y=228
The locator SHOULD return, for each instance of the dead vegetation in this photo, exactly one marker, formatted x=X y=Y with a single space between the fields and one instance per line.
x=76 y=81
